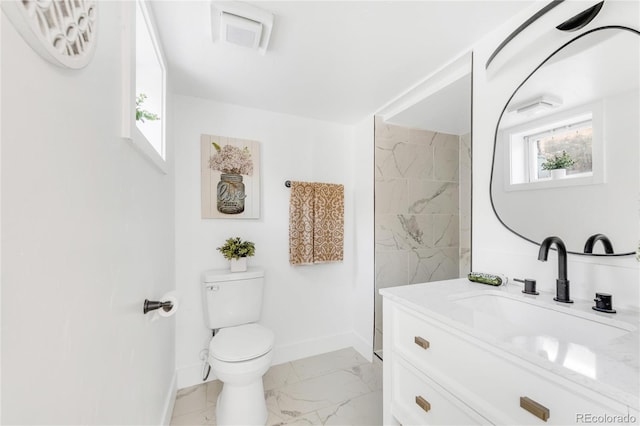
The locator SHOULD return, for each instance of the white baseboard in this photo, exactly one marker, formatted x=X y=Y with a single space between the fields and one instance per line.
x=364 y=347
x=311 y=347
x=192 y=375
x=168 y=403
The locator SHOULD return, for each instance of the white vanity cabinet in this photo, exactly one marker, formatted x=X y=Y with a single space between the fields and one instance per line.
x=436 y=374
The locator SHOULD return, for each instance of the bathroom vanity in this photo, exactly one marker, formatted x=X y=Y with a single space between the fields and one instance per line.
x=459 y=352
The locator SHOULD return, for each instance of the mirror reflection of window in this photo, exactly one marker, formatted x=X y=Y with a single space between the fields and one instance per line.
x=536 y=146
x=575 y=139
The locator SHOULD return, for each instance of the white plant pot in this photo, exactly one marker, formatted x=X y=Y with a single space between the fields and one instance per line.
x=558 y=173
x=238 y=265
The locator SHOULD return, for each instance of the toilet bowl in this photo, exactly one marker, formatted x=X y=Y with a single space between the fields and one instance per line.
x=240 y=351
x=239 y=356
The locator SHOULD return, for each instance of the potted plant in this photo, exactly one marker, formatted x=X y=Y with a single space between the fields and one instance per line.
x=558 y=164
x=236 y=251
x=142 y=114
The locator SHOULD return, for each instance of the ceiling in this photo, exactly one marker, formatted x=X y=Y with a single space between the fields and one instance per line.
x=329 y=60
x=446 y=111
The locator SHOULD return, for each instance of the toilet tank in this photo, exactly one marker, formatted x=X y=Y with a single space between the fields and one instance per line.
x=231 y=298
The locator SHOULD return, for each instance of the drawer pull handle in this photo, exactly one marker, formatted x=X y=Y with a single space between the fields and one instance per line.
x=423 y=343
x=423 y=403
x=534 y=408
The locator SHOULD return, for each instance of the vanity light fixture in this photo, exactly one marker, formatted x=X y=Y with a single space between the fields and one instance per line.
x=241 y=24
x=536 y=105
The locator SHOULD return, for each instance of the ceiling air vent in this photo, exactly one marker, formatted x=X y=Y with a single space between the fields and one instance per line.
x=241 y=31
x=536 y=105
x=241 y=24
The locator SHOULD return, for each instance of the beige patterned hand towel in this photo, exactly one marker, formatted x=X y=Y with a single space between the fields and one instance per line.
x=316 y=223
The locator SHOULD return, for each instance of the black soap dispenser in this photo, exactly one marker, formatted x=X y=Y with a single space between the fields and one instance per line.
x=529 y=286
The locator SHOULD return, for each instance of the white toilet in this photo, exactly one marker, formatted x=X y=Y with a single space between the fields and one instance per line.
x=241 y=350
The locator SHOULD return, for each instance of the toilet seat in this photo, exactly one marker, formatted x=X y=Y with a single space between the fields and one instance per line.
x=241 y=343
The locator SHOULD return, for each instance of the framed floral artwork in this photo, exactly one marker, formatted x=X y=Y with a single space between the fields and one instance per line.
x=230 y=170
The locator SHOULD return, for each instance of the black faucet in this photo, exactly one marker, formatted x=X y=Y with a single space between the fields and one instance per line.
x=562 y=283
x=591 y=241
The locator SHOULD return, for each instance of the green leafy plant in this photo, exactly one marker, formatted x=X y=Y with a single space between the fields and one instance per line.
x=143 y=114
x=235 y=248
x=558 y=161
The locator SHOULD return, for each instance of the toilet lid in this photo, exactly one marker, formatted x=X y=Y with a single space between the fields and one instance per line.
x=241 y=343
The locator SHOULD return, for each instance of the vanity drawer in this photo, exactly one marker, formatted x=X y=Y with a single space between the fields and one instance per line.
x=490 y=383
x=417 y=400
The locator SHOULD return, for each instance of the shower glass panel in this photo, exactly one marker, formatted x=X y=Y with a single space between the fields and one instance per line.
x=422 y=209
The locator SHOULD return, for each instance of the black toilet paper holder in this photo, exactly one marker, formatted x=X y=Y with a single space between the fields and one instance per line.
x=152 y=305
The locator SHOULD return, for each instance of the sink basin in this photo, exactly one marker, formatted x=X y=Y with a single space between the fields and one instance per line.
x=508 y=317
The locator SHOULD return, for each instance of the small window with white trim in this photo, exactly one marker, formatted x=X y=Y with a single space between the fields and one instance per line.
x=561 y=149
x=150 y=80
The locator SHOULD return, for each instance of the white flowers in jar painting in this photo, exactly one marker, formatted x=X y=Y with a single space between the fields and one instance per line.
x=230 y=177
x=231 y=159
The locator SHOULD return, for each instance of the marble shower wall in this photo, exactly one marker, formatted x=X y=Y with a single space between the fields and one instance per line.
x=465 y=204
x=417 y=212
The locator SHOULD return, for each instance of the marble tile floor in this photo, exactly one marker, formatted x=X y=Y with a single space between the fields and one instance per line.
x=336 y=388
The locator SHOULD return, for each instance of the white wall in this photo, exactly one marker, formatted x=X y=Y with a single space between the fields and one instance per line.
x=87 y=235
x=1 y=26
x=310 y=308
x=495 y=249
x=364 y=247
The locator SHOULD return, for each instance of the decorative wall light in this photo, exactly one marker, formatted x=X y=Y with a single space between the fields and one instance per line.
x=61 y=31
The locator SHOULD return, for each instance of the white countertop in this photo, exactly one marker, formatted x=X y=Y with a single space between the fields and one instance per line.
x=609 y=367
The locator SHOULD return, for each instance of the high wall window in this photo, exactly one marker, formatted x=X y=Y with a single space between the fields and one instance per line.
x=144 y=83
x=150 y=81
